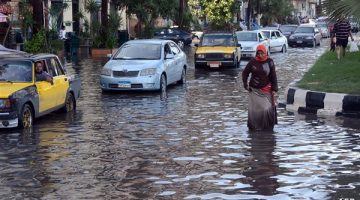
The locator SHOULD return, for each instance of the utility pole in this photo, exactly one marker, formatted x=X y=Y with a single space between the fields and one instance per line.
x=248 y=13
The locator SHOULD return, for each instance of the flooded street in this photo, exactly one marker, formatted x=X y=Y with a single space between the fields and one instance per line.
x=193 y=144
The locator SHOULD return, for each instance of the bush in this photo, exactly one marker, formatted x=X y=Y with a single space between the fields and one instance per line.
x=37 y=44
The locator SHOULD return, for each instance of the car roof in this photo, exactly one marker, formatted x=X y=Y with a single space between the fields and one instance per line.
x=6 y=53
x=292 y=25
x=253 y=31
x=307 y=25
x=148 y=41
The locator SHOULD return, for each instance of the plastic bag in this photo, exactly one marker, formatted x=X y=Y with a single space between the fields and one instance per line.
x=353 y=47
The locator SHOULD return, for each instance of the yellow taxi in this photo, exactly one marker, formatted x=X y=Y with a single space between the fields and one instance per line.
x=218 y=49
x=23 y=99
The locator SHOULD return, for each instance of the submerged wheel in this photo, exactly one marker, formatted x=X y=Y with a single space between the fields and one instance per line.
x=163 y=83
x=26 y=118
x=183 y=76
x=70 y=104
x=283 y=50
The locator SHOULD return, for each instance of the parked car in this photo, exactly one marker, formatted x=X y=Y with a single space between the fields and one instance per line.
x=218 y=49
x=197 y=34
x=177 y=35
x=145 y=64
x=305 y=35
x=324 y=29
x=354 y=25
x=277 y=41
x=249 y=40
x=23 y=99
x=288 y=29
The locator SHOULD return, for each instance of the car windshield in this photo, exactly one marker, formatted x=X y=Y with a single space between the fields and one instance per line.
x=139 y=51
x=217 y=40
x=15 y=71
x=287 y=28
x=246 y=36
x=304 y=30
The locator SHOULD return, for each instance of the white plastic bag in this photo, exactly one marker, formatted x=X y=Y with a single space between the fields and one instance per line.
x=353 y=47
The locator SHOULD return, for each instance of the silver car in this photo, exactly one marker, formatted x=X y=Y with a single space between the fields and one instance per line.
x=149 y=64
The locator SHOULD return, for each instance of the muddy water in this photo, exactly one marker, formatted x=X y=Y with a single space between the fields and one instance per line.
x=191 y=143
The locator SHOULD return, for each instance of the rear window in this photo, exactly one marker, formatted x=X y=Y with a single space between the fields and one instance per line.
x=287 y=28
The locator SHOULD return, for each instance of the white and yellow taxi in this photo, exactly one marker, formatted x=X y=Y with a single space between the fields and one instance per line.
x=22 y=98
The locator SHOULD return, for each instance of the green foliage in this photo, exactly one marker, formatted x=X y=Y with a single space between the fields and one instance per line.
x=114 y=21
x=342 y=8
x=56 y=45
x=37 y=44
x=27 y=16
x=219 y=13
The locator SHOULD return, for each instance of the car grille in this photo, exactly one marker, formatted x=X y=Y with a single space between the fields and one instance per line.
x=300 y=37
x=214 y=56
x=125 y=73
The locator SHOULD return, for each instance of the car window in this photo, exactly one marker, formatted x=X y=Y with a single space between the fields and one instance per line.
x=55 y=65
x=167 y=49
x=277 y=33
x=267 y=33
x=15 y=71
x=174 y=48
x=287 y=28
x=304 y=30
x=50 y=68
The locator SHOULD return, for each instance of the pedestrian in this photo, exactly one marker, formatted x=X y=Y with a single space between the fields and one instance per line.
x=262 y=89
x=62 y=34
x=41 y=75
x=342 y=31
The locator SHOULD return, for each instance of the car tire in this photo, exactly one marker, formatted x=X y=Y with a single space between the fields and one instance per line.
x=70 y=104
x=284 y=50
x=26 y=118
x=183 y=76
x=314 y=44
x=163 y=84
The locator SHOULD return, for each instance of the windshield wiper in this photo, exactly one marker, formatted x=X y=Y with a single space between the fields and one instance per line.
x=5 y=80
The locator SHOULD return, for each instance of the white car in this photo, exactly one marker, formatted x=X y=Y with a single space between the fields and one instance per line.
x=277 y=41
x=249 y=40
x=147 y=64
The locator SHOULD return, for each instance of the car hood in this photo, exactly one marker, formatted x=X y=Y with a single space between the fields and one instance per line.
x=249 y=43
x=7 y=89
x=132 y=65
x=215 y=49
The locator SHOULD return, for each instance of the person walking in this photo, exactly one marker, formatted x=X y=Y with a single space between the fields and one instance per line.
x=262 y=89
x=342 y=31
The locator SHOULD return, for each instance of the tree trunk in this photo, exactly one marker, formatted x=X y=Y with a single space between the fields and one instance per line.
x=38 y=15
x=104 y=20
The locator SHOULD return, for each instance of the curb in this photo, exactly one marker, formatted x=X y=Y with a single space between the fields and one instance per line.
x=321 y=103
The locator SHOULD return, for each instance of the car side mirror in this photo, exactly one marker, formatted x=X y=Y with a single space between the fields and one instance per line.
x=197 y=45
x=169 y=56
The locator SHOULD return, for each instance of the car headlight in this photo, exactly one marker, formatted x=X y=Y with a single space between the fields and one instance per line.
x=291 y=37
x=228 y=55
x=201 y=56
x=106 y=72
x=309 y=38
x=148 y=72
x=5 y=103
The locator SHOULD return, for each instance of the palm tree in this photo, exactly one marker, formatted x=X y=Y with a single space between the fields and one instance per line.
x=342 y=8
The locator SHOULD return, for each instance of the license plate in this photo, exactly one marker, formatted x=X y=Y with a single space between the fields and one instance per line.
x=214 y=64
x=124 y=84
x=299 y=41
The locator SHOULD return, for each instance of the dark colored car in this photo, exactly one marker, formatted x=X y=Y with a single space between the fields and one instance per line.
x=305 y=35
x=288 y=29
x=179 y=36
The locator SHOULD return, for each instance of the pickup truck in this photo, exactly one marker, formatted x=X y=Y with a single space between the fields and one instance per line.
x=23 y=99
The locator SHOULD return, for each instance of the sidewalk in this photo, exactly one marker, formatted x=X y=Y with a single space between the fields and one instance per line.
x=322 y=103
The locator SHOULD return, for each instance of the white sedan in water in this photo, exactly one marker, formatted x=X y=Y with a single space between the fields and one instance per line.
x=249 y=40
x=148 y=64
x=277 y=41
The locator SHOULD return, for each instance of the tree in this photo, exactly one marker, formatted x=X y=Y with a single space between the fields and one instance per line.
x=38 y=15
x=342 y=8
x=219 y=12
x=104 y=20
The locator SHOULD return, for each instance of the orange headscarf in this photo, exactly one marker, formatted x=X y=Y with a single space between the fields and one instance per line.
x=262 y=48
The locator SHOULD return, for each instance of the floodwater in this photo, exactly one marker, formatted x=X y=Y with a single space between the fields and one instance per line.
x=191 y=143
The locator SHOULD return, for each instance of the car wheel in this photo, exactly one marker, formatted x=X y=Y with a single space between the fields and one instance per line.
x=183 y=76
x=283 y=50
x=69 y=103
x=163 y=84
x=26 y=118
x=236 y=62
x=181 y=43
x=314 y=43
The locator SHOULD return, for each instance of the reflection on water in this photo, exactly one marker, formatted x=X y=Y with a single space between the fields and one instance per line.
x=190 y=143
